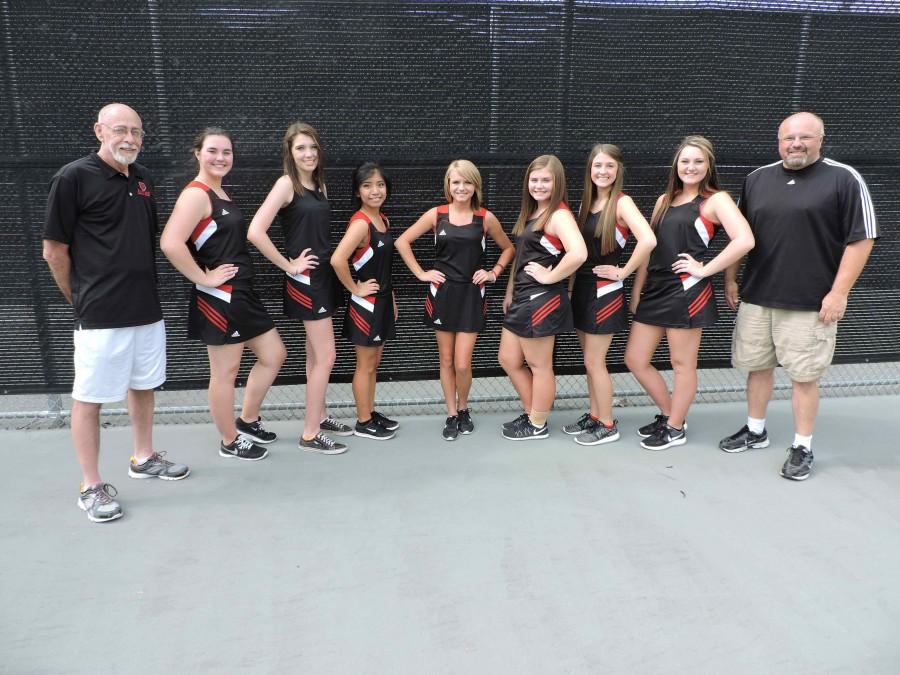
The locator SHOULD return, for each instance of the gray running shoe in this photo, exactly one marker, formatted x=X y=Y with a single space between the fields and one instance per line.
x=243 y=448
x=509 y=425
x=98 y=503
x=322 y=444
x=255 y=431
x=157 y=466
x=335 y=428
x=744 y=439
x=598 y=433
x=799 y=463
x=582 y=424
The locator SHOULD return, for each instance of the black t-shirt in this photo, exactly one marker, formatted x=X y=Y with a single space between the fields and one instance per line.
x=802 y=221
x=109 y=221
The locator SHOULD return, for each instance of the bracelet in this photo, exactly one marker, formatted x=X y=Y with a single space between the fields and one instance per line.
x=493 y=274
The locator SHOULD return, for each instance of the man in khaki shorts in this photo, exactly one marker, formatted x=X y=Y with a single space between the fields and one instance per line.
x=814 y=226
x=100 y=240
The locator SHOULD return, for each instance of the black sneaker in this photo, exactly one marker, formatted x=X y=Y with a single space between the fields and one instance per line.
x=509 y=425
x=466 y=426
x=322 y=444
x=451 y=428
x=658 y=424
x=255 y=431
x=373 y=430
x=583 y=423
x=331 y=426
x=243 y=448
x=665 y=438
x=744 y=440
x=389 y=424
x=799 y=463
x=598 y=433
x=526 y=431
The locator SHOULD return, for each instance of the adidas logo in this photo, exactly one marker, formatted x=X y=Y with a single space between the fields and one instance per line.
x=224 y=212
x=377 y=338
x=442 y=233
x=792 y=182
x=437 y=322
x=322 y=310
x=236 y=334
x=380 y=244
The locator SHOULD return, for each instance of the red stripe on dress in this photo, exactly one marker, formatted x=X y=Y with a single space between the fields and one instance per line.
x=199 y=229
x=700 y=301
x=361 y=323
x=212 y=314
x=610 y=309
x=545 y=310
x=299 y=297
x=428 y=308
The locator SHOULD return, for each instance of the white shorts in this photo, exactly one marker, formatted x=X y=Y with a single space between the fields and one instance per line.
x=110 y=361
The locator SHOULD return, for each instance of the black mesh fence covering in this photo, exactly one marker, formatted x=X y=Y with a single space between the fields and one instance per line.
x=415 y=85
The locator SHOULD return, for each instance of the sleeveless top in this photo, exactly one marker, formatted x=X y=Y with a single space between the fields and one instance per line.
x=373 y=261
x=221 y=237
x=539 y=247
x=682 y=230
x=592 y=242
x=306 y=223
x=459 y=249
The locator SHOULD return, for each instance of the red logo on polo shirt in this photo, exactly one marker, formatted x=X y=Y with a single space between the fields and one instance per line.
x=142 y=189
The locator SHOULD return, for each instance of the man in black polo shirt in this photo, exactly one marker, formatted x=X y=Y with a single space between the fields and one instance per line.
x=814 y=226
x=100 y=240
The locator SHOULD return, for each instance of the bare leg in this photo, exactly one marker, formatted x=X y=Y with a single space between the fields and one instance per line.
x=512 y=360
x=684 y=343
x=805 y=403
x=446 y=342
x=367 y=360
x=642 y=343
x=600 y=386
x=270 y=355
x=224 y=361
x=462 y=363
x=760 y=385
x=539 y=356
x=140 y=410
x=320 y=355
x=86 y=439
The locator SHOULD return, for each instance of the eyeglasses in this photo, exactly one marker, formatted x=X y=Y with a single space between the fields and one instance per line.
x=122 y=131
x=803 y=139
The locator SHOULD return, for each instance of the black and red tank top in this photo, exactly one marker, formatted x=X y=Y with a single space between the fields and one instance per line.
x=373 y=260
x=682 y=230
x=459 y=249
x=594 y=256
x=222 y=237
x=542 y=248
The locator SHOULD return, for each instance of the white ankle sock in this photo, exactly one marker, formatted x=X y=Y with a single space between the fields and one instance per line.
x=805 y=441
x=757 y=426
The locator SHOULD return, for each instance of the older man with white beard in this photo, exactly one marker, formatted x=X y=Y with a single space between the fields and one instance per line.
x=814 y=226
x=99 y=241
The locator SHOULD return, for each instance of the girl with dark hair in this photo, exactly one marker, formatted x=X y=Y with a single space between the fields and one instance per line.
x=607 y=218
x=455 y=303
x=372 y=311
x=673 y=294
x=549 y=249
x=206 y=240
x=300 y=197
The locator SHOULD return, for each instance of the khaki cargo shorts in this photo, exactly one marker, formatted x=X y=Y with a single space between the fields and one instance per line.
x=765 y=337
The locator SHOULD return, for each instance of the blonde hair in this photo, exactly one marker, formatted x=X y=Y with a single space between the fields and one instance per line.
x=469 y=172
x=606 y=226
x=558 y=196
x=709 y=185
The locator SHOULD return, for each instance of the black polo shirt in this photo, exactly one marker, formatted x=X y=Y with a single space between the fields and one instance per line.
x=109 y=220
x=802 y=221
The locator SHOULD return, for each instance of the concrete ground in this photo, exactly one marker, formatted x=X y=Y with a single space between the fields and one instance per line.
x=478 y=556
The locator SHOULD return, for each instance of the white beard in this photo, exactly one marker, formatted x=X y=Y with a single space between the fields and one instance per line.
x=123 y=159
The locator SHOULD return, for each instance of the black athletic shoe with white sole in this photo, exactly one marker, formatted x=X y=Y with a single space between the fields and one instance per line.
x=799 y=463
x=373 y=430
x=526 y=431
x=666 y=438
x=466 y=425
x=322 y=444
x=744 y=439
x=451 y=428
x=509 y=425
x=385 y=422
x=243 y=448
x=658 y=424
x=331 y=426
x=255 y=431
